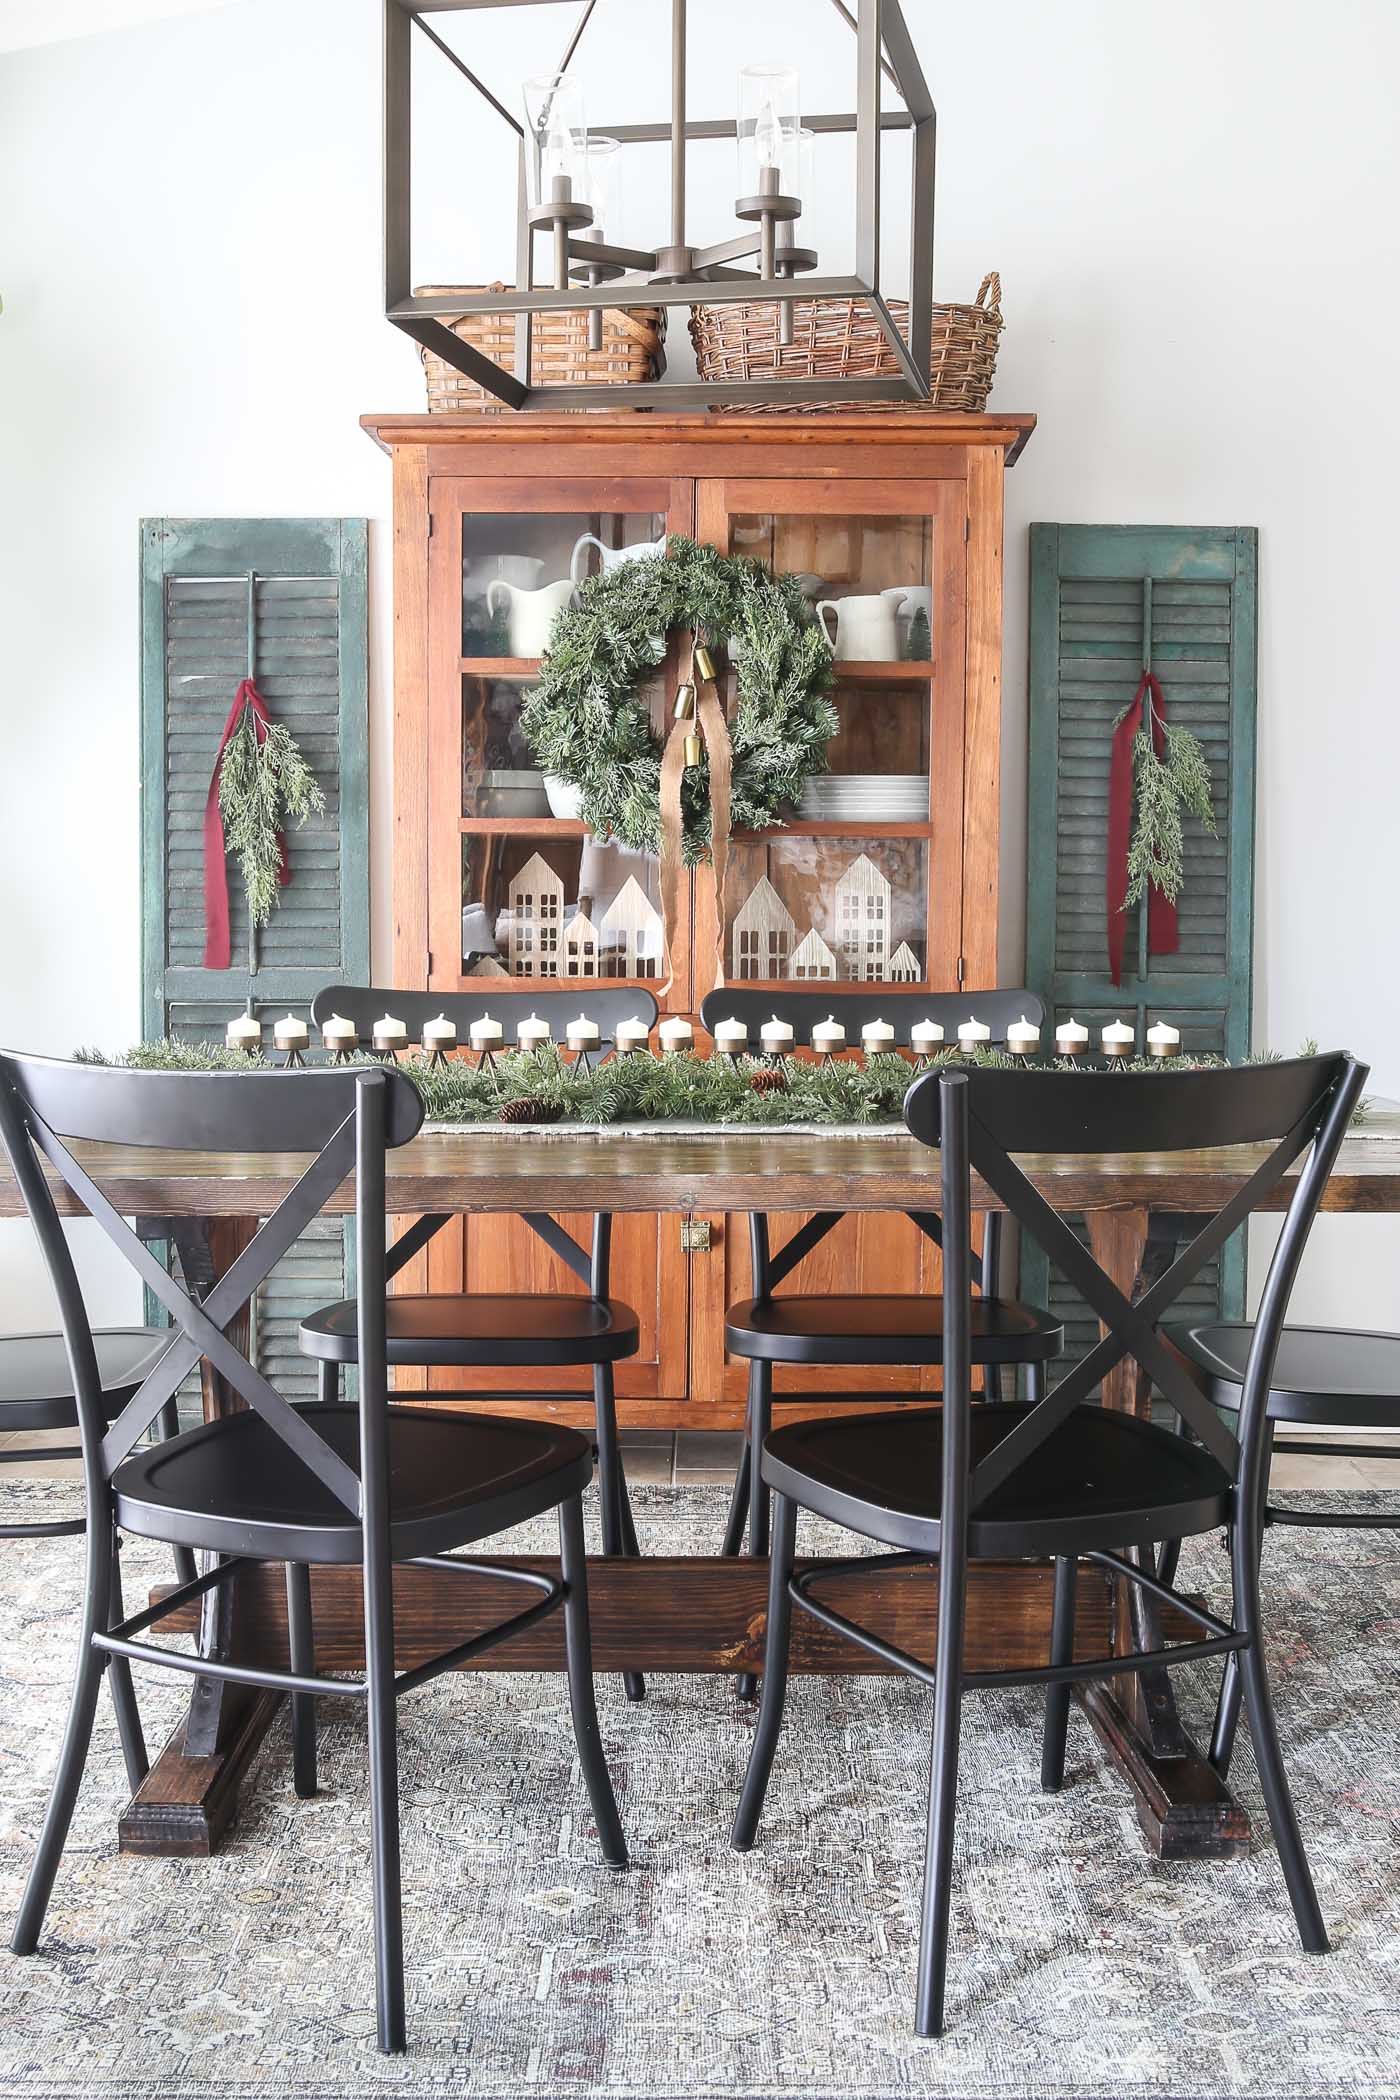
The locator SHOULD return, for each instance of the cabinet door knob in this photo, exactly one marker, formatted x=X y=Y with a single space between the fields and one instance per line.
x=695 y=1235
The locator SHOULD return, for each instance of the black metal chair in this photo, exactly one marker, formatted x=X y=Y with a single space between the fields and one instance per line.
x=298 y=1484
x=36 y=1395
x=863 y=1329
x=447 y=1331
x=1080 y=1482
x=1323 y=1378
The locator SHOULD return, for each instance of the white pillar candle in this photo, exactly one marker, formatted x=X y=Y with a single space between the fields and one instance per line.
x=339 y=1034
x=877 y=1035
x=925 y=1036
x=776 y=1036
x=972 y=1033
x=582 y=1034
x=631 y=1036
x=244 y=1032
x=440 y=1034
x=290 y=1033
x=731 y=1037
x=676 y=1033
x=531 y=1033
x=389 y=1033
x=1071 y=1038
x=829 y=1035
x=484 y=1033
x=1163 y=1040
x=1118 y=1040
x=1023 y=1038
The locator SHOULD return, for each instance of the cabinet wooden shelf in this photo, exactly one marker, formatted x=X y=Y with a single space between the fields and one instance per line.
x=864 y=504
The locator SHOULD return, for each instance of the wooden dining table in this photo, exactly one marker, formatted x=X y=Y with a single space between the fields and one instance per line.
x=694 y=1614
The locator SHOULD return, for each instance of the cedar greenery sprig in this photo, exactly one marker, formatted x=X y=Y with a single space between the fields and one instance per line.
x=585 y=723
x=263 y=783
x=646 y=1089
x=1162 y=789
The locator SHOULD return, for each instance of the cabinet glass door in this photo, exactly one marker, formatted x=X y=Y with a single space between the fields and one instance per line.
x=536 y=897
x=862 y=883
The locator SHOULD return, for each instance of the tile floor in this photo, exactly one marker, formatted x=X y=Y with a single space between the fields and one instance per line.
x=707 y=1457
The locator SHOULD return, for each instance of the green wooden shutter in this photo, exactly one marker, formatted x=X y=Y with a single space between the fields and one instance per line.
x=304 y=581
x=1105 y=601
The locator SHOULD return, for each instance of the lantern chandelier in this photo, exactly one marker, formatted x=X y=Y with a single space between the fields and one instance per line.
x=569 y=193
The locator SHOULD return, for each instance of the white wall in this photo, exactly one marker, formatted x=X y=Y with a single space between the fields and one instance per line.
x=1193 y=213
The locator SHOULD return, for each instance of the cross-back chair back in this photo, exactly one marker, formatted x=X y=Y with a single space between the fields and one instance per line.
x=981 y=1118
x=346 y=1119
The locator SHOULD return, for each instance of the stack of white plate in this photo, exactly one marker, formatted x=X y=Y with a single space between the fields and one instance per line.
x=867 y=798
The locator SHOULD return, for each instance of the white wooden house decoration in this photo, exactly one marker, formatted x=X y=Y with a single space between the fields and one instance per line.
x=580 y=946
x=811 y=957
x=632 y=930
x=904 y=965
x=863 y=920
x=763 y=931
x=536 y=920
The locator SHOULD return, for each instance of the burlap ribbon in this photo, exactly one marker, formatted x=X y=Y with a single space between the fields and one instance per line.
x=707 y=723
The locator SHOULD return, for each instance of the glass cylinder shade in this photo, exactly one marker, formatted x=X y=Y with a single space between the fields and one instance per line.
x=603 y=190
x=557 y=160
x=768 y=129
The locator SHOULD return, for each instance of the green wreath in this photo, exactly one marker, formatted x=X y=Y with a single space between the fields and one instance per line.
x=585 y=725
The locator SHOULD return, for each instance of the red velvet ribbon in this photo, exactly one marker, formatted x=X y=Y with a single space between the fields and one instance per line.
x=1161 y=912
x=216 y=934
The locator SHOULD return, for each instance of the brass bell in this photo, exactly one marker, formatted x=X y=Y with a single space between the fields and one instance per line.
x=704 y=663
x=685 y=702
x=693 y=751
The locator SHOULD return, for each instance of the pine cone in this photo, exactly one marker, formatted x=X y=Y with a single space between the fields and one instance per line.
x=769 y=1079
x=529 y=1112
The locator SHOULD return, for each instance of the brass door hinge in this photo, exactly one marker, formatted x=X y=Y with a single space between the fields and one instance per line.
x=695 y=1235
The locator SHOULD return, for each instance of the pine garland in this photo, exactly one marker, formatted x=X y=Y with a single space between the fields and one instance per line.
x=540 y=1086
x=585 y=724
x=1162 y=789
x=263 y=782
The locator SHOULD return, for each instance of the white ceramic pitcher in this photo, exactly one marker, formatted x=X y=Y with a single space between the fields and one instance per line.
x=531 y=613
x=865 y=629
x=910 y=599
x=611 y=556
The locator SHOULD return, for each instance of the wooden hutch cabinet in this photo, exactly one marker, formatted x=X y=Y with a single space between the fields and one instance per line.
x=493 y=515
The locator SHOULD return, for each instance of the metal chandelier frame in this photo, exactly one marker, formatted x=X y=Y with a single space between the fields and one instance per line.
x=676 y=274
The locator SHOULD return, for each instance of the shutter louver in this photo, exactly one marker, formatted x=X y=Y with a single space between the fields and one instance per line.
x=1105 y=601
x=307 y=582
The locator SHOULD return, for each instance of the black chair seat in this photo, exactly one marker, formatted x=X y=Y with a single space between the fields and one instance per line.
x=885 y=1330
x=1102 y=1480
x=233 y=1486
x=36 y=1389
x=1328 y=1376
x=481 y=1330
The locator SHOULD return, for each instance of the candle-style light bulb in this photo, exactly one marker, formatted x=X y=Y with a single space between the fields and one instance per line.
x=768 y=137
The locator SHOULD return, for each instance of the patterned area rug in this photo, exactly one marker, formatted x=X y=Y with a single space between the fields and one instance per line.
x=1080 y=1966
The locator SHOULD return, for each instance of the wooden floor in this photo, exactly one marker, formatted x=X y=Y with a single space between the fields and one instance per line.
x=707 y=1457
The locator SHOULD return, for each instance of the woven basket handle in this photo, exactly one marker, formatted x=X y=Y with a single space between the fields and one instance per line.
x=990 y=283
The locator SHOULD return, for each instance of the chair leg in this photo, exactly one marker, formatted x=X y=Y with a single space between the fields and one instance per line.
x=1052 y=1749
x=133 y=1740
x=776 y=1644
x=384 y=1795
x=1227 y=1708
x=1169 y=1561
x=738 y=1504
x=760 y=1422
x=327 y=1382
x=1035 y=1383
x=942 y=1785
x=612 y=1490
x=77 y=1735
x=301 y=1653
x=186 y=1566
x=573 y=1564
x=1268 y=1757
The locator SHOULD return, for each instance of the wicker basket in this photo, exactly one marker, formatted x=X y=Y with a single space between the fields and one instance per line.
x=559 y=352
x=843 y=339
